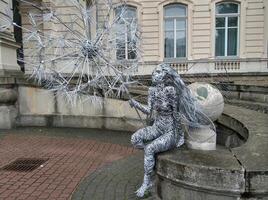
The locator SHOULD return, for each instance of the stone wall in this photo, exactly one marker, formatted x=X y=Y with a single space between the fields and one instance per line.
x=222 y=174
x=200 y=58
x=40 y=107
x=8 y=70
x=8 y=105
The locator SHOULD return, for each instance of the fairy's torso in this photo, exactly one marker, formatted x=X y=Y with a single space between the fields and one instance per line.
x=162 y=100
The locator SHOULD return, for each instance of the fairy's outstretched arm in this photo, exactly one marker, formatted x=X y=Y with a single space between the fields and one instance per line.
x=145 y=109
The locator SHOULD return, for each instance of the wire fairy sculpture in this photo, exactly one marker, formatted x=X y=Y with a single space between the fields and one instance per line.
x=174 y=107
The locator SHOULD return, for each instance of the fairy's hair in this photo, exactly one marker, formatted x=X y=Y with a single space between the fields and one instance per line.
x=188 y=109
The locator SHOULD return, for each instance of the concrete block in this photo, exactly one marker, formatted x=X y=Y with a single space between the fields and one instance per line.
x=8 y=116
x=201 y=139
x=77 y=121
x=8 y=54
x=84 y=106
x=32 y=120
x=36 y=101
x=230 y=94
x=186 y=174
x=119 y=108
x=258 y=182
x=255 y=97
x=170 y=191
x=8 y=95
x=122 y=124
x=233 y=141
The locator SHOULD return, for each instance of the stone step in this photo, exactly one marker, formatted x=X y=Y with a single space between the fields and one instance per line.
x=222 y=174
x=257 y=106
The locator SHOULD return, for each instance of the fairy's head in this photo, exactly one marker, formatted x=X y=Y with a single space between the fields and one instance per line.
x=165 y=74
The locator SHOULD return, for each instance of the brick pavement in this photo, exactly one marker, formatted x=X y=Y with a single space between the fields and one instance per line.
x=70 y=160
x=117 y=181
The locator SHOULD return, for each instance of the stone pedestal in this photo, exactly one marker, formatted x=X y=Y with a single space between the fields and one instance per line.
x=8 y=116
x=201 y=139
x=8 y=110
x=222 y=174
x=8 y=70
x=8 y=56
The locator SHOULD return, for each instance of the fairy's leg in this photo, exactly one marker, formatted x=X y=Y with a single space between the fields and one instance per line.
x=180 y=133
x=144 y=135
x=163 y=143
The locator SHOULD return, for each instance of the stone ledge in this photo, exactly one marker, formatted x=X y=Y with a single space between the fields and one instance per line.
x=240 y=172
x=253 y=155
x=234 y=124
x=8 y=40
x=8 y=95
x=8 y=71
x=8 y=114
x=99 y=122
x=257 y=106
x=215 y=172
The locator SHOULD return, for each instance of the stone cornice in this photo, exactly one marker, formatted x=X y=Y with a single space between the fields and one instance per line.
x=7 y=39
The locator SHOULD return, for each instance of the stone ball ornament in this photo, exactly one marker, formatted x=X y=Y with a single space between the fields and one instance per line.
x=211 y=102
x=209 y=98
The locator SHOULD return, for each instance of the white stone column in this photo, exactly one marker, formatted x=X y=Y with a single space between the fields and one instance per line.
x=8 y=71
x=266 y=29
x=8 y=46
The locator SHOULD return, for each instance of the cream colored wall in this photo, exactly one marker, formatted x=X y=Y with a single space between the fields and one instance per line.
x=200 y=35
x=254 y=29
x=266 y=29
x=201 y=23
x=67 y=13
x=5 y=4
x=200 y=32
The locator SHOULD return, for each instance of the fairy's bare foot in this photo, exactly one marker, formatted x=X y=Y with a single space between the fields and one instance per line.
x=147 y=184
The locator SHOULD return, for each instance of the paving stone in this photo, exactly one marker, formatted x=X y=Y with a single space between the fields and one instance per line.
x=118 y=181
x=73 y=155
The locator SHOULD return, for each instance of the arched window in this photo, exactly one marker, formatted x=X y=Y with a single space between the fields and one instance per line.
x=125 y=45
x=227 y=28
x=175 y=23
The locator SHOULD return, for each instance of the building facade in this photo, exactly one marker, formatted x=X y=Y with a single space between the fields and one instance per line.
x=209 y=36
x=209 y=30
x=198 y=38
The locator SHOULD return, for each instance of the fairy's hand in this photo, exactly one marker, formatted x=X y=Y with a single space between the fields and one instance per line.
x=137 y=105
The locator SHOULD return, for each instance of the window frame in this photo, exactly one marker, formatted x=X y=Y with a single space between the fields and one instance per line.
x=226 y=16
x=175 y=30
x=126 y=34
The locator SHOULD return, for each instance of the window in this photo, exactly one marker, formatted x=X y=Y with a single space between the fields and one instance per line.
x=227 y=28
x=125 y=40
x=18 y=33
x=175 y=20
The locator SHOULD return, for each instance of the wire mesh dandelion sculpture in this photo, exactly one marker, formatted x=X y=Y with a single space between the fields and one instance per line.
x=76 y=53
